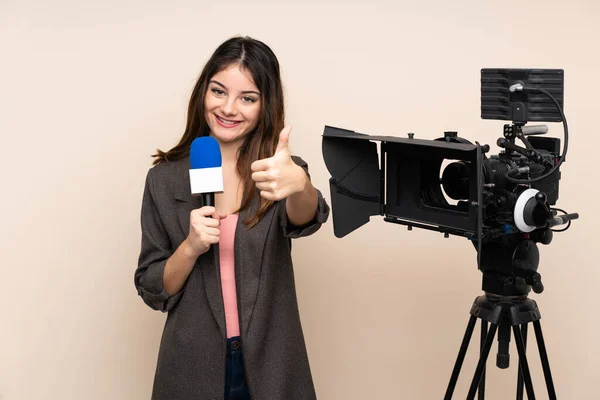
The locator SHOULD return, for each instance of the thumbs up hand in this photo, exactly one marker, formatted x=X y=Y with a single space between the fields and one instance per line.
x=279 y=176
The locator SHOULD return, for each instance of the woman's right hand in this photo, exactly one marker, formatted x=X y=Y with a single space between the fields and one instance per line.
x=205 y=223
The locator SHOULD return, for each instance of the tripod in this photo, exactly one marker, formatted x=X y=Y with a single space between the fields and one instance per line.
x=503 y=312
x=509 y=267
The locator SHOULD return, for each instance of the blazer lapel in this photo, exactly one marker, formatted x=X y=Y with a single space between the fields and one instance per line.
x=208 y=263
x=249 y=248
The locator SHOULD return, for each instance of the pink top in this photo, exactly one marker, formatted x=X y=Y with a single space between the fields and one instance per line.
x=226 y=259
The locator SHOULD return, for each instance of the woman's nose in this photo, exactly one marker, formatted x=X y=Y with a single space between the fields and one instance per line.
x=228 y=107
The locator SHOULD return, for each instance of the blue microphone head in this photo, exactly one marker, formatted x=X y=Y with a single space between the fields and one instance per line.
x=205 y=153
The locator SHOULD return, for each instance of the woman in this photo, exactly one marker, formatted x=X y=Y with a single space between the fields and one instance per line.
x=224 y=274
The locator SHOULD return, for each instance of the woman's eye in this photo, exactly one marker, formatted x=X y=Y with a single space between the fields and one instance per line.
x=218 y=92
x=248 y=99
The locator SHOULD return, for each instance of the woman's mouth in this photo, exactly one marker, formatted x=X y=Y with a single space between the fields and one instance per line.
x=227 y=123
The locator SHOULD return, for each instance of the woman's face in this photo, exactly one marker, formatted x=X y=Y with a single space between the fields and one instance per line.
x=232 y=104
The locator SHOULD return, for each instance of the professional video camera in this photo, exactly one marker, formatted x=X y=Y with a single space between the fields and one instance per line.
x=502 y=203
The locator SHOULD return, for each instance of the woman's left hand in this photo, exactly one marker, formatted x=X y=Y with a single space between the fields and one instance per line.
x=279 y=176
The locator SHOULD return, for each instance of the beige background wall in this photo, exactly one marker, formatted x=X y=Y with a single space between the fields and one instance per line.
x=89 y=89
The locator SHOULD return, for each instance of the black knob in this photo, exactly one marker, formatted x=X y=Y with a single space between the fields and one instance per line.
x=536 y=283
x=545 y=237
x=450 y=134
x=542 y=200
x=540 y=197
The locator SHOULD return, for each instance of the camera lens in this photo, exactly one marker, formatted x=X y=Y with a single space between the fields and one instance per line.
x=455 y=180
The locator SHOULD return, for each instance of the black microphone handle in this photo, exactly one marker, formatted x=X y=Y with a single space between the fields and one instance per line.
x=208 y=199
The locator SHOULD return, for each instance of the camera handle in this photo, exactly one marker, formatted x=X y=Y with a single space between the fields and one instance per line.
x=518 y=131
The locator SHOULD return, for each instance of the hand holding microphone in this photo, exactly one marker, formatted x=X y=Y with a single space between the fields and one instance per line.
x=205 y=223
x=206 y=178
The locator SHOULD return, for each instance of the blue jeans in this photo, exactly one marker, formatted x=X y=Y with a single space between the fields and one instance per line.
x=236 y=387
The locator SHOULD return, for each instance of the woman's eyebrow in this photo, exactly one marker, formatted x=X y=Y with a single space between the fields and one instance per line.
x=224 y=87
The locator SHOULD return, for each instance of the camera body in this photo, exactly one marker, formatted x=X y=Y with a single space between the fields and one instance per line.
x=499 y=195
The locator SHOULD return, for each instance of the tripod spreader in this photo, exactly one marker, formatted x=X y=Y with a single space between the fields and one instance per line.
x=503 y=313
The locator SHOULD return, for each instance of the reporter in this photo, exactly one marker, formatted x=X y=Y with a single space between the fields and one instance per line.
x=224 y=274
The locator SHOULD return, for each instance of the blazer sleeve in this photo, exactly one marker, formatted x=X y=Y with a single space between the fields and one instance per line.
x=156 y=248
x=291 y=231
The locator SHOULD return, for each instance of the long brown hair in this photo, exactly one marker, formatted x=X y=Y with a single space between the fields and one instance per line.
x=258 y=59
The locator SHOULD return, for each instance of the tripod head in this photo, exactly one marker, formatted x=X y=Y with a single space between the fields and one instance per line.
x=509 y=265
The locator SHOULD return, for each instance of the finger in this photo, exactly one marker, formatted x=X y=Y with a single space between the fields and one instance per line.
x=268 y=195
x=268 y=186
x=261 y=176
x=261 y=165
x=212 y=239
x=199 y=216
x=284 y=137
x=212 y=231
x=205 y=211
x=215 y=215
x=222 y=215
x=211 y=222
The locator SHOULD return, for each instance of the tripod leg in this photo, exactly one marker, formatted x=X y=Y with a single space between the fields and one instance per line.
x=481 y=389
x=524 y=366
x=544 y=357
x=461 y=357
x=520 y=377
x=482 y=360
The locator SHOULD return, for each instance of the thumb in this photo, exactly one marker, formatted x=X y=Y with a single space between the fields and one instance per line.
x=284 y=138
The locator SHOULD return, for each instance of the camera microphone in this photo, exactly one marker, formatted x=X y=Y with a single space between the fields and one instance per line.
x=534 y=130
x=562 y=219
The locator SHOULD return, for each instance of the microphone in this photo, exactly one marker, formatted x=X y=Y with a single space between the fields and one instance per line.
x=562 y=219
x=206 y=172
x=534 y=130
